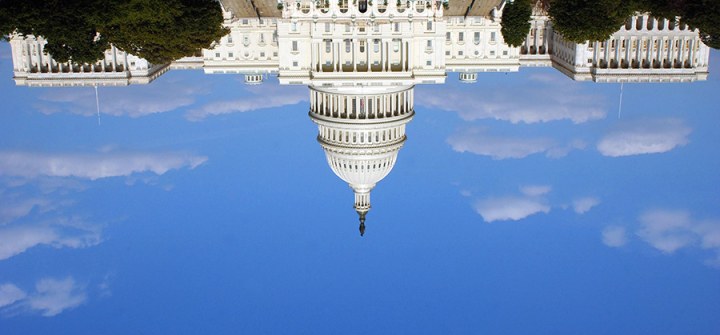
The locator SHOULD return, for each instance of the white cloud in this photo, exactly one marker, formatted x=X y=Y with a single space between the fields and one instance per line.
x=645 y=137
x=58 y=233
x=614 y=236
x=9 y=294
x=263 y=97
x=54 y=296
x=535 y=190
x=465 y=193
x=508 y=208
x=133 y=100
x=93 y=166
x=51 y=296
x=666 y=230
x=583 y=205
x=477 y=141
x=540 y=100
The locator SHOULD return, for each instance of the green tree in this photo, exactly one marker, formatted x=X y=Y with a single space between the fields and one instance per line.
x=163 y=30
x=589 y=20
x=67 y=25
x=704 y=15
x=516 y=22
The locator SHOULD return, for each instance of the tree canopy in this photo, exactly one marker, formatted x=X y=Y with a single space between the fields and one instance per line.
x=588 y=20
x=516 y=22
x=157 y=30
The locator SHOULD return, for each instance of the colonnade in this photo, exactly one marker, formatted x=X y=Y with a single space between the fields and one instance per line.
x=340 y=55
x=37 y=61
x=646 y=52
x=359 y=106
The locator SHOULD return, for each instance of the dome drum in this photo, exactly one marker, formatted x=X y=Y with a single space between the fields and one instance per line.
x=356 y=104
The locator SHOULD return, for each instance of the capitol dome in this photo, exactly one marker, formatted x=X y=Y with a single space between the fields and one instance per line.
x=361 y=131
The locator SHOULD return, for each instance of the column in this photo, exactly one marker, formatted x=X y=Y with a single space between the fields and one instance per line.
x=341 y=49
x=367 y=53
x=354 y=54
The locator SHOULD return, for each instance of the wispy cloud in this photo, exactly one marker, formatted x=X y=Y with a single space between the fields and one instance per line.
x=583 y=205
x=541 y=99
x=535 y=190
x=263 y=97
x=645 y=137
x=93 y=165
x=58 y=233
x=9 y=294
x=614 y=236
x=133 y=100
x=478 y=141
x=671 y=230
x=509 y=208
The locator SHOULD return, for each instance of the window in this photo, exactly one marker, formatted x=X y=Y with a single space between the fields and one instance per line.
x=460 y=53
x=492 y=53
x=397 y=27
x=429 y=45
x=245 y=21
x=327 y=46
x=429 y=63
x=396 y=45
x=362 y=46
x=461 y=19
x=461 y=36
x=447 y=53
x=377 y=45
x=347 y=45
x=295 y=63
x=230 y=55
x=274 y=54
x=327 y=26
x=294 y=46
x=505 y=53
x=429 y=25
x=261 y=21
x=447 y=37
x=377 y=27
x=294 y=26
x=262 y=54
x=217 y=55
x=347 y=28
x=262 y=38
x=246 y=39
x=492 y=36
x=477 y=37
x=229 y=38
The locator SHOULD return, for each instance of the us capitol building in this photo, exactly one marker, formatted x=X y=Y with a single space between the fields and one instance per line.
x=362 y=59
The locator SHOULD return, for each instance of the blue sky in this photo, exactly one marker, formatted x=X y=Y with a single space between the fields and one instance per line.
x=519 y=204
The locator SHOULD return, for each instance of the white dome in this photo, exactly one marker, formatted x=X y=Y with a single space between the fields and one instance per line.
x=361 y=133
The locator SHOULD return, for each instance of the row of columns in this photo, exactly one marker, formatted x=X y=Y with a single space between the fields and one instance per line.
x=338 y=51
x=684 y=51
x=379 y=136
x=37 y=62
x=360 y=106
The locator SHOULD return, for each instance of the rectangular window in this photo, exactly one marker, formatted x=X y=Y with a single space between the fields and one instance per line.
x=245 y=21
x=429 y=45
x=397 y=27
x=492 y=53
x=461 y=36
x=262 y=54
x=294 y=26
x=477 y=37
x=230 y=55
x=262 y=38
x=377 y=28
x=492 y=37
x=229 y=38
x=294 y=46
x=327 y=46
x=460 y=53
x=447 y=37
x=217 y=55
x=274 y=54
x=327 y=26
x=505 y=53
x=295 y=63
x=429 y=25
x=347 y=28
x=447 y=53
x=429 y=63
